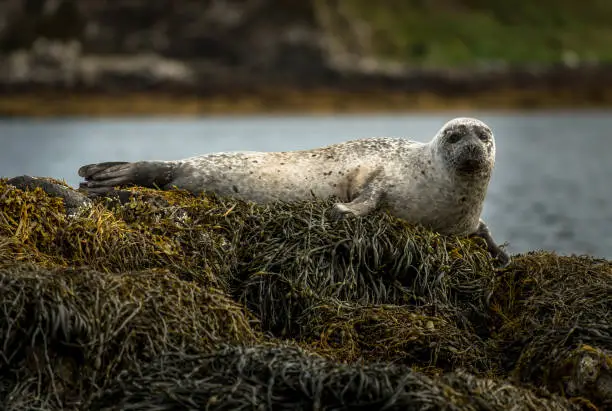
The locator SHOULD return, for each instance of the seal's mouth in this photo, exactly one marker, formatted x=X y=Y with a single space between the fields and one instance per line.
x=470 y=166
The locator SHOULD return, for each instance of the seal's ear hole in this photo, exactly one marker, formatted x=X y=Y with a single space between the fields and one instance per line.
x=454 y=137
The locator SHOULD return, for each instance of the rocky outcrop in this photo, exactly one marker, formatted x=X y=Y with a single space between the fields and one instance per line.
x=152 y=299
x=90 y=42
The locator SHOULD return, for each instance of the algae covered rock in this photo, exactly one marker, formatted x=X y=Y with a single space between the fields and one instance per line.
x=163 y=300
x=556 y=323
x=395 y=333
x=76 y=329
x=287 y=378
x=37 y=229
x=293 y=256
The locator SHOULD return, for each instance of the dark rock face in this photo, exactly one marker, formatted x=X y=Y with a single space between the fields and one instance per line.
x=145 y=42
x=226 y=31
x=235 y=33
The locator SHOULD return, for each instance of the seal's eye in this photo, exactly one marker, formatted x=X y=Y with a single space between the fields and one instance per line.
x=454 y=137
x=483 y=136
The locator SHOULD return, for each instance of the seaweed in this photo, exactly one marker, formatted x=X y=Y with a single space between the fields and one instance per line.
x=288 y=378
x=149 y=299
x=291 y=255
x=555 y=323
x=394 y=333
x=75 y=329
x=35 y=227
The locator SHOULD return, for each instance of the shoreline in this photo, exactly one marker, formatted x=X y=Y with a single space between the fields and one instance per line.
x=62 y=103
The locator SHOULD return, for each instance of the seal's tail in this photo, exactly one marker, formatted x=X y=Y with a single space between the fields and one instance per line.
x=103 y=177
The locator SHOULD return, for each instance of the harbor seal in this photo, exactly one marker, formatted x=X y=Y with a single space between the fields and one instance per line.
x=440 y=184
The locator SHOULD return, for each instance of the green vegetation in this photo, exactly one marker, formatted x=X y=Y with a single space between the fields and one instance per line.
x=469 y=32
x=154 y=299
x=423 y=32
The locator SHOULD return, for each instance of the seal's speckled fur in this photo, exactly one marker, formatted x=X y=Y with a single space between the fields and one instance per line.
x=441 y=184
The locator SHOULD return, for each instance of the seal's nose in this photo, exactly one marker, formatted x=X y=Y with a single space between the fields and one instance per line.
x=472 y=151
x=471 y=159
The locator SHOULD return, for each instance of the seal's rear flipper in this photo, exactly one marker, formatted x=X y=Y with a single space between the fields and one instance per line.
x=91 y=169
x=103 y=177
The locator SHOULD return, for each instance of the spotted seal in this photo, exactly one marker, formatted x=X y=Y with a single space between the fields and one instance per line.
x=440 y=184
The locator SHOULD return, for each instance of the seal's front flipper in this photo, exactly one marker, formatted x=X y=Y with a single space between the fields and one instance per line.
x=357 y=209
x=103 y=177
x=496 y=252
x=366 y=202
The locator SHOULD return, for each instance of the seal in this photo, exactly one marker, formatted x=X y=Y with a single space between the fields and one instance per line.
x=440 y=185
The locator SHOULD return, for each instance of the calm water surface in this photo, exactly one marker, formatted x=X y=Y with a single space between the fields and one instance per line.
x=551 y=189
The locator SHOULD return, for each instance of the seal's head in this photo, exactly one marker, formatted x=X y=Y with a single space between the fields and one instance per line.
x=466 y=147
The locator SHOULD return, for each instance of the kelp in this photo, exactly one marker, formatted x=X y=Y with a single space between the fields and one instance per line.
x=292 y=254
x=283 y=377
x=36 y=228
x=152 y=299
x=69 y=331
x=404 y=334
x=555 y=323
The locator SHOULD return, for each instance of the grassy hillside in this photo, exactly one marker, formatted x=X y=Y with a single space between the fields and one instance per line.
x=467 y=32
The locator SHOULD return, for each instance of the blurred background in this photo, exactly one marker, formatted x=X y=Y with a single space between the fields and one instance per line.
x=97 y=80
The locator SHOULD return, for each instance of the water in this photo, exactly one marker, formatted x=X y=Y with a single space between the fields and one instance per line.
x=550 y=189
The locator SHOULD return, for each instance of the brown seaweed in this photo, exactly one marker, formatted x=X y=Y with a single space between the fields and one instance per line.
x=165 y=300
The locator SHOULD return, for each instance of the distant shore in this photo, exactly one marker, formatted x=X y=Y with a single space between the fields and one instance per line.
x=276 y=56
x=286 y=101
